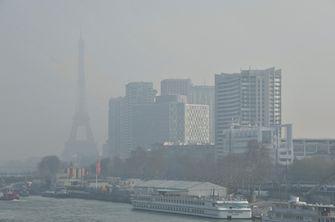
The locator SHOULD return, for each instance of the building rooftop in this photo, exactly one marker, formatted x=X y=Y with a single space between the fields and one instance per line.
x=175 y=184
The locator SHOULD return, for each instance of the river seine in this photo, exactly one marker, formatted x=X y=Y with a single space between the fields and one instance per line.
x=41 y=209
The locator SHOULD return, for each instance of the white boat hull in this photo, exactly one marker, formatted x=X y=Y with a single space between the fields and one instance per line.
x=200 y=212
x=265 y=219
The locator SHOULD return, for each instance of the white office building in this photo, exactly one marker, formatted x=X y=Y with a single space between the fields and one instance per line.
x=205 y=95
x=277 y=141
x=196 y=124
x=251 y=97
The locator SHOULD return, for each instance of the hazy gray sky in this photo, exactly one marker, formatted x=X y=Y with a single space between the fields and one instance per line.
x=151 y=40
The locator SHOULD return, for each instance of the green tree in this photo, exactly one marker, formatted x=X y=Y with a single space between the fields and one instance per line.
x=48 y=167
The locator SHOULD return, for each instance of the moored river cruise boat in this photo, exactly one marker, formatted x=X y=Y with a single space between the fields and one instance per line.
x=297 y=211
x=195 y=206
x=179 y=200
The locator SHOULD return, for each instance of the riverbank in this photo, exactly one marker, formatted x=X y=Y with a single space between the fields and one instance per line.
x=116 y=195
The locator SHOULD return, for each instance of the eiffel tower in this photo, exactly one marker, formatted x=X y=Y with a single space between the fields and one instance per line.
x=80 y=150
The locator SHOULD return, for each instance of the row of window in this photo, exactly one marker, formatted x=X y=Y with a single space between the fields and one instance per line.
x=143 y=198
x=170 y=208
x=190 y=202
x=302 y=218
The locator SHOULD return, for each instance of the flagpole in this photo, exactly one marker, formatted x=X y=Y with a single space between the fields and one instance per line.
x=97 y=171
x=96 y=180
x=96 y=174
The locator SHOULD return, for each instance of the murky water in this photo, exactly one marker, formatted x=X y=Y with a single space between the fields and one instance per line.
x=41 y=209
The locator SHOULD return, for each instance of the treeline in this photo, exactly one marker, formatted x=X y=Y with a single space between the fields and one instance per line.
x=246 y=170
x=312 y=170
x=251 y=168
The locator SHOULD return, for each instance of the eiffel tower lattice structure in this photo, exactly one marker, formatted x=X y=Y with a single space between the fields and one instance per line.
x=80 y=150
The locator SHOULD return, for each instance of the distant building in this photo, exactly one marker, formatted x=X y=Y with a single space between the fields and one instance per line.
x=118 y=130
x=155 y=123
x=201 y=94
x=170 y=121
x=137 y=93
x=313 y=147
x=171 y=98
x=137 y=120
x=196 y=123
x=205 y=95
x=121 y=110
x=251 y=97
x=238 y=140
x=176 y=87
x=140 y=93
x=192 y=188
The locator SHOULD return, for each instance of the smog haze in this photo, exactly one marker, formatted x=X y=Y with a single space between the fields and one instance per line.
x=149 y=41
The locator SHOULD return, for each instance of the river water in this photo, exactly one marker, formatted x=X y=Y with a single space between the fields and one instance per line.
x=41 y=209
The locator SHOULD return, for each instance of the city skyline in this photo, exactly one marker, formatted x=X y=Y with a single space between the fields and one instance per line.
x=38 y=59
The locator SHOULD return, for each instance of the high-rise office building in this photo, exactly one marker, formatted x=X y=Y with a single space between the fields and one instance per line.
x=205 y=95
x=195 y=124
x=176 y=87
x=200 y=94
x=251 y=97
x=157 y=123
x=118 y=133
x=140 y=93
x=141 y=120
x=121 y=110
x=170 y=121
x=137 y=93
